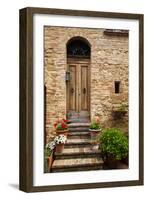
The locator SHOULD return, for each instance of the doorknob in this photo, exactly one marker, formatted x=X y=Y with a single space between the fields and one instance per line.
x=84 y=90
x=72 y=90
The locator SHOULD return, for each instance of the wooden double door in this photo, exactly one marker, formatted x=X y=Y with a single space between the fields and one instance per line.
x=78 y=86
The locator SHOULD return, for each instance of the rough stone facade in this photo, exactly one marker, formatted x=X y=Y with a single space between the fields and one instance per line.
x=109 y=63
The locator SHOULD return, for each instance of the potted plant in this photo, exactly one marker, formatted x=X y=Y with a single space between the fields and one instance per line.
x=61 y=127
x=49 y=155
x=119 y=112
x=60 y=140
x=95 y=130
x=114 y=146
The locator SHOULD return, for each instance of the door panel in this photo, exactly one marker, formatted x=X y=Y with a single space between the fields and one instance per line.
x=78 y=88
x=84 y=87
x=72 y=87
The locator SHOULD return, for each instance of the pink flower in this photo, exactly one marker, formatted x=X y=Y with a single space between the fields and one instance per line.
x=56 y=123
x=97 y=119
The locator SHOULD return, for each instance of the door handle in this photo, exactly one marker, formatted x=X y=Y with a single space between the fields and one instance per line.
x=84 y=90
x=72 y=90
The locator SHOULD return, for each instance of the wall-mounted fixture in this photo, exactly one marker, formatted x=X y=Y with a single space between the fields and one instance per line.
x=67 y=76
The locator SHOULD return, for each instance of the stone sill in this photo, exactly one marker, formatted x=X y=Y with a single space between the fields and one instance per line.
x=112 y=32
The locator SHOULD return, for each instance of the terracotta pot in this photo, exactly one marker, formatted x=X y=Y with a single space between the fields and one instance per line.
x=59 y=148
x=126 y=160
x=111 y=162
x=50 y=161
x=62 y=132
x=94 y=135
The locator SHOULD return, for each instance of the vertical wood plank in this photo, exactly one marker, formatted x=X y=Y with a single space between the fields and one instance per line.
x=72 y=88
x=78 y=88
x=84 y=87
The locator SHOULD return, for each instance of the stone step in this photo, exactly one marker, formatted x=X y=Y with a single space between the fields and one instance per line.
x=78 y=135
x=75 y=125
x=77 y=145
x=79 y=164
x=76 y=120
x=78 y=152
x=77 y=142
x=82 y=134
x=78 y=129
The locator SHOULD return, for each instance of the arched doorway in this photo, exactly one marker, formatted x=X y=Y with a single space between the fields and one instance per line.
x=78 y=78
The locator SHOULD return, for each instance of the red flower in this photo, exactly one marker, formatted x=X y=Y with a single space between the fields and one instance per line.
x=65 y=120
x=64 y=126
x=61 y=123
x=55 y=124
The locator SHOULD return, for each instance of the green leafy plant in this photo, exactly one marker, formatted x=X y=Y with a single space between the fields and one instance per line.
x=50 y=146
x=47 y=153
x=121 y=108
x=114 y=142
x=95 y=124
x=49 y=149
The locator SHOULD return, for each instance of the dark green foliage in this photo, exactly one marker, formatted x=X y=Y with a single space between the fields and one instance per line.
x=95 y=126
x=47 y=153
x=114 y=142
x=122 y=108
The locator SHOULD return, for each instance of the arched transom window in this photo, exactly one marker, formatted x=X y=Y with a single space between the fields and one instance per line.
x=78 y=48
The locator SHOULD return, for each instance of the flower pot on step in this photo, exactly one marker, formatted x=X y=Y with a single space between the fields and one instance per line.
x=62 y=132
x=126 y=160
x=94 y=134
x=59 y=148
x=111 y=162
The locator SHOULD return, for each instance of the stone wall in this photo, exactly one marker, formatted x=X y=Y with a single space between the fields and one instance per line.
x=109 y=63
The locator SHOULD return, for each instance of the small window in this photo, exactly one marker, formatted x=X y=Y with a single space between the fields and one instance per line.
x=117 y=87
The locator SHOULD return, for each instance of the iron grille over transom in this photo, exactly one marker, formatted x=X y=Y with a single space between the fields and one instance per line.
x=78 y=48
